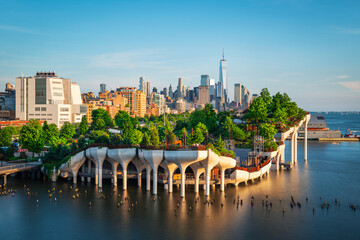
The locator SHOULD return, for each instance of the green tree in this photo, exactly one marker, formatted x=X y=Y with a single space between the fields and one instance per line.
x=6 y=136
x=136 y=137
x=154 y=136
x=237 y=133
x=81 y=141
x=83 y=127
x=116 y=139
x=202 y=128
x=32 y=136
x=100 y=136
x=67 y=131
x=219 y=144
x=98 y=124
x=121 y=118
x=210 y=118
x=265 y=95
x=257 y=111
x=52 y=134
x=146 y=141
x=171 y=138
x=267 y=131
x=196 y=117
x=104 y=115
x=197 y=136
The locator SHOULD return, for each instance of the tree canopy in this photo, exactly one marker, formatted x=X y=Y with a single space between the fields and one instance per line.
x=32 y=136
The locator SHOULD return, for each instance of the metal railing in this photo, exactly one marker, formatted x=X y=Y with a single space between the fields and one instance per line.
x=18 y=166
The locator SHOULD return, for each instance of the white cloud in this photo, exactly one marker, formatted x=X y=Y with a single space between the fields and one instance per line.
x=139 y=59
x=16 y=29
x=343 y=76
x=354 y=86
x=349 y=31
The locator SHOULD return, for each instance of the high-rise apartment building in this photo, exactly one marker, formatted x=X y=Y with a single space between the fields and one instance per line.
x=136 y=100
x=49 y=98
x=180 y=88
x=7 y=103
x=237 y=93
x=205 y=80
x=212 y=89
x=102 y=87
x=204 y=95
x=147 y=86
x=142 y=84
x=159 y=100
x=171 y=93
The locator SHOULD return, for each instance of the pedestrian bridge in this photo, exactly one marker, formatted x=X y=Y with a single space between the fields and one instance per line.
x=17 y=167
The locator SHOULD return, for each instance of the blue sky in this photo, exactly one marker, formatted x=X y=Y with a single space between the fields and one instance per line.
x=308 y=49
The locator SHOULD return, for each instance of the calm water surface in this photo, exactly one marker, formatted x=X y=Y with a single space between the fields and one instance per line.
x=332 y=171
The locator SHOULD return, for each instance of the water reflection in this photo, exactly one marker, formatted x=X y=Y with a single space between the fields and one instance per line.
x=327 y=174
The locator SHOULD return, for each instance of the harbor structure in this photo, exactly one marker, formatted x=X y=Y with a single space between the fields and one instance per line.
x=317 y=129
x=90 y=163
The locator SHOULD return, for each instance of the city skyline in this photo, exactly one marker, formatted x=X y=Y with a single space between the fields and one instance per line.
x=313 y=56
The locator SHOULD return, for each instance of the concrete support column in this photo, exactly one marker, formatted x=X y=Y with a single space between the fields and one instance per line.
x=100 y=176
x=295 y=147
x=89 y=170
x=196 y=187
x=114 y=169
x=96 y=175
x=183 y=178
x=5 y=180
x=171 y=175
x=292 y=148
x=74 y=173
x=139 y=179
x=222 y=185
x=82 y=171
x=155 y=173
x=305 y=141
x=124 y=166
x=207 y=181
x=148 y=178
x=124 y=171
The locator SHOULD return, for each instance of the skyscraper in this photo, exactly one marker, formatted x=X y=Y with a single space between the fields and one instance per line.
x=102 y=87
x=237 y=93
x=204 y=96
x=223 y=76
x=171 y=94
x=205 y=80
x=212 y=89
x=180 y=88
x=142 y=84
x=147 y=87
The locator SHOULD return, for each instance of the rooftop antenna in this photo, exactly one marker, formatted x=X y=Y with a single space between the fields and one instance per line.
x=223 y=55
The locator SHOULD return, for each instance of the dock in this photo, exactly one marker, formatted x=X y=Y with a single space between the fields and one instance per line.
x=342 y=139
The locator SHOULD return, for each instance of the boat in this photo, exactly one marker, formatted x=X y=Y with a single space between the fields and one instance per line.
x=351 y=134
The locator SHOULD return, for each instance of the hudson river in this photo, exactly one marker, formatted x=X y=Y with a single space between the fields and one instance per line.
x=331 y=172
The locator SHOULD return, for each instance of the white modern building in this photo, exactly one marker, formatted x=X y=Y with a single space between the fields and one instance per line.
x=50 y=98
